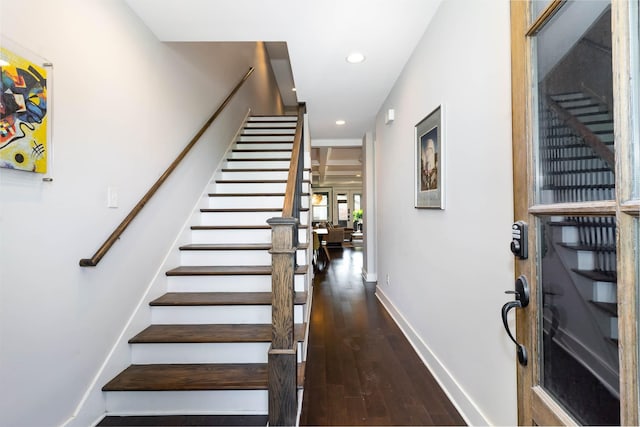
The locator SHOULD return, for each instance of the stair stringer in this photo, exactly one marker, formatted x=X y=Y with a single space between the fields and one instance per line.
x=227 y=402
x=120 y=354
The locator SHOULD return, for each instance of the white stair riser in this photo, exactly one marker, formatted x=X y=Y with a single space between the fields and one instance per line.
x=237 y=218
x=262 y=155
x=614 y=327
x=596 y=118
x=266 y=138
x=257 y=283
x=249 y=352
x=250 y=131
x=224 y=402
x=607 y=138
x=585 y=260
x=258 y=175
x=570 y=235
x=264 y=146
x=231 y=236
x=245 y=218
x=239 y=236
x=605 y=292
x=601 y=126
x=194 y=315
x=232 y=257
x=250 y=125
x=256 y=164
x=253 y=187
x=252 y=202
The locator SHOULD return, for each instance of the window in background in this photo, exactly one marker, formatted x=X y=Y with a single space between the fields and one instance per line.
x=320 y=207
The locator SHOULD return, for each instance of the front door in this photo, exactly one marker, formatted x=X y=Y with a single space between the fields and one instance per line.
x=576 y=187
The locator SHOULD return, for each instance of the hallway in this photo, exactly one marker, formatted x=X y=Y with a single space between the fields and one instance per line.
x=361 y=370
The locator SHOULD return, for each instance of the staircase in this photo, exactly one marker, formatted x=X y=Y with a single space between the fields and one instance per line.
x=581 y=308
x=206 y=349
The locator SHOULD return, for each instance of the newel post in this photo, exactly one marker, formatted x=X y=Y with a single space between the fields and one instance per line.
x=283 y=364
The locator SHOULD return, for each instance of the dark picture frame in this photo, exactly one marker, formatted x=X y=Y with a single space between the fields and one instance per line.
x=429 y=157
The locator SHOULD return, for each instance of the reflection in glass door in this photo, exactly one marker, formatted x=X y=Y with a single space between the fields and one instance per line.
x=579 y=322
x=576 y=260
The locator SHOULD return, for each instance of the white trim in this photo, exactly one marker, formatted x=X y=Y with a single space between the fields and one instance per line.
x=456 y=394
x=369 y=277
x=339 y=142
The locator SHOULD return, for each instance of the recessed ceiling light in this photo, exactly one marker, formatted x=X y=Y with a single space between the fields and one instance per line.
x=340 y=122
x=294 y=89
x=355 y=58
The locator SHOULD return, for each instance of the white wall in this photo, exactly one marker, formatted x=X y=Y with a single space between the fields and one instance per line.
x=123 y=106
x=448 y=269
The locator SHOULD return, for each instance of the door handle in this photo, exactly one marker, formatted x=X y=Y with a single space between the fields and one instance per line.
x=521 y=300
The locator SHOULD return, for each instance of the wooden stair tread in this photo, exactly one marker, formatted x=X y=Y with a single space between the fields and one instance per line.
x=263 y=150
x=579 y=224
x=563 y=159
x=578 y=171
x=250 y=194
x=238 y=227
x=183 y=377
x=590 y=248
x=230 y=227
x=228 y=210
x=607 y=307
x=568 y=187
x=222 y=333
x=232 y=246
x=255 y=181
x=239 y=270
x=260 y=159
x=184 y=420
x=261 y=170
x=219 y=298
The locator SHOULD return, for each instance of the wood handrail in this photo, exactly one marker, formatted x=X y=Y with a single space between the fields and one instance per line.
x=292 y=178
x=591 y=139
x=95 y=259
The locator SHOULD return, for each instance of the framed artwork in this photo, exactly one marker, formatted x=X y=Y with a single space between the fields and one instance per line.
x=24 y=114
x=429 y=176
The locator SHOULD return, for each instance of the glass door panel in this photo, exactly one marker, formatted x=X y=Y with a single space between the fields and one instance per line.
x=578 y=327
x=343 y=209
x=574 y=104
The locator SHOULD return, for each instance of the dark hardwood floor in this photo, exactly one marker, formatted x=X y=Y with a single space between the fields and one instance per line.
x=360 y=368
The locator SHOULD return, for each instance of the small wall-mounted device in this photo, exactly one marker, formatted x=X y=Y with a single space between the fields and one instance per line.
x=519 y=243
x=389 y=116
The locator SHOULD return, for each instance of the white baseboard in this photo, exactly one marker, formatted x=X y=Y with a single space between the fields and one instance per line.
x=463 y=402
x=369 y=277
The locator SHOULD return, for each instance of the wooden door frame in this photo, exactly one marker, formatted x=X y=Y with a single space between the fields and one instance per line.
x=625 y=209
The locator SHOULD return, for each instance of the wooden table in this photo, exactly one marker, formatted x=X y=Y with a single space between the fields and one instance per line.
x=321 y=258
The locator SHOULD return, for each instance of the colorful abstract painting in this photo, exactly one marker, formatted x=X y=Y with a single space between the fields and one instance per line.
x=23 y=113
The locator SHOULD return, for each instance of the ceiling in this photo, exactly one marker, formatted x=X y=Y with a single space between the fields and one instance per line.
x=319 y=35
